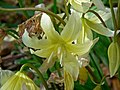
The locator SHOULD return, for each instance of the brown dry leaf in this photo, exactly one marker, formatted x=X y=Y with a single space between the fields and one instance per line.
x=54 y=78
x=32 y=25
x=6 y=48
x=2 y=35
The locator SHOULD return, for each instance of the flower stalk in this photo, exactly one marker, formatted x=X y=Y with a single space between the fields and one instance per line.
x=113 y=17
x=37 y=71
x=98 y=17
x=35 y=9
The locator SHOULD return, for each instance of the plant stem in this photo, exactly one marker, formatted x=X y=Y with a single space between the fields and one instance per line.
x=97 y=16
x=113 y=17
x=64 y=16
x=35 y=9
x=37 y=71
x=66 y=9
x=118 y=15
x=104 y=78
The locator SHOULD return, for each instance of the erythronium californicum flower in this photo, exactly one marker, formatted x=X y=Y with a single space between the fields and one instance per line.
x=80 y=5
x=19 y=81
x=60 y=45
x=92 y=22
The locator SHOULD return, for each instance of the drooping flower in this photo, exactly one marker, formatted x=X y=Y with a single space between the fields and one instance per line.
x=83 y=6
x=91 y=22
x=19 y=81
x=4 y=76
x=61 y=45
x=80 y=5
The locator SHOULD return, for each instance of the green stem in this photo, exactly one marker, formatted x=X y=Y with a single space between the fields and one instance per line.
x=118 y=15
x=64 y=16
x=66 y=9
x=21 y=6
x=97 y=16
x=35 y=9
x=104 y=78
x=37 y=71
x=113 y=17
x=95 y=81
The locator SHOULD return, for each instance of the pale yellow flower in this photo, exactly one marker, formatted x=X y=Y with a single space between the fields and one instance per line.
x=57 y=44
x=80 y=5
x=84 y=5
x=4 y=76
x=61 y=45
x=92 y=22
x=19 y=81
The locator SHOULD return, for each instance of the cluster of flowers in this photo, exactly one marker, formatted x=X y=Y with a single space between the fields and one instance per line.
x=69 y=46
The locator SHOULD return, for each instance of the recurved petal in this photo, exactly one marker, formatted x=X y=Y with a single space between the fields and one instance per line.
x=100 y=29
x=85 y=33
x=72 y=28
x=48 y=28
x=80 y=49
x=34 y=42
x=45 y=53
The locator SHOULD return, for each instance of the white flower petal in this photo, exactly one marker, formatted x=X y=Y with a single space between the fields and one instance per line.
x=71 y=65
x=45 y=53
x=81 y=5
x=48 y=28
x=34 y=42
x=79 y=49
x=72 y=28
x=99 y=28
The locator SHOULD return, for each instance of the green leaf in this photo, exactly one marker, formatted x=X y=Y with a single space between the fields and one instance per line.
x=114 y=58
